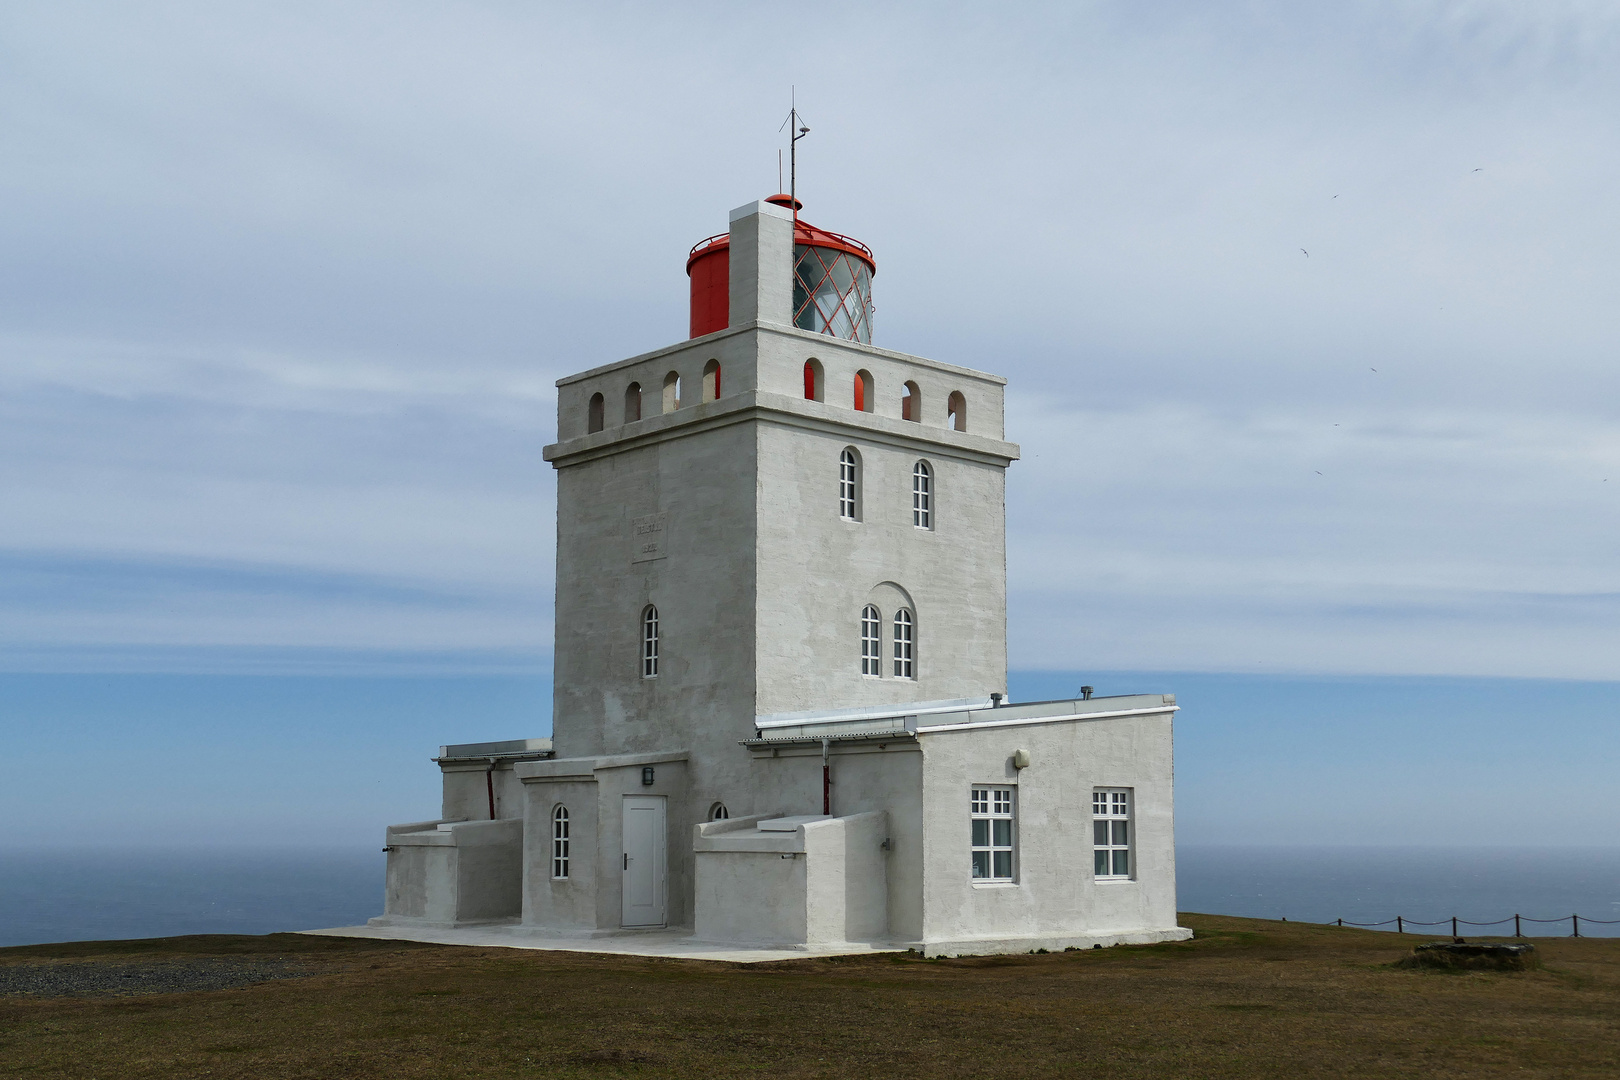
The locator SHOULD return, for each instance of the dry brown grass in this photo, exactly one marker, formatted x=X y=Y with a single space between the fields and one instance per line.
x=1246 y=998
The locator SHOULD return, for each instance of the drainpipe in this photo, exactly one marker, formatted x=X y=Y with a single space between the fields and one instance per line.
x=826 y=777
x=489 y=782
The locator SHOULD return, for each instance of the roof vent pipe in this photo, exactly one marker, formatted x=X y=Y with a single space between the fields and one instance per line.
x=995 y=701
x=1085 y=693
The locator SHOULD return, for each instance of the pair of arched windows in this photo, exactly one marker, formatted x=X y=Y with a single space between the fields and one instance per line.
x=673 y=398
x=596 y=411
x=849 y=490
x=903 y=640
x=863 y=397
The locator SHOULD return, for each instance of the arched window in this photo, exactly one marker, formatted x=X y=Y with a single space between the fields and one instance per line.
x=593 y=415
x=711 y=380
x=559 y=841
x=672 y=391
x=849 y=485
x=922 y=496
x=718 y=812
x=632 y=403
x=649 y=642
x=871 y=641
x=956 y=410
x=814 y=388
x=863 y=391
x=911 y=403
x=903 y=645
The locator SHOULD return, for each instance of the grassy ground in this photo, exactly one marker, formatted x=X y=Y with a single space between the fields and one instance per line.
x=1245 y=998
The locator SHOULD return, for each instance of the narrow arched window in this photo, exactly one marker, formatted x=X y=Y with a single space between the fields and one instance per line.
x=956 y=410
x=863 y=391
x=903 y=645
x=718 y=812
x=711 y=380
x=911 y=403
x=849 y=485
x=593 y=415
x=559 y=842
x=672 y=391
x=814 y=390
x=922 y=496
x=632 y=403
x=649 y=642
x=871 y=641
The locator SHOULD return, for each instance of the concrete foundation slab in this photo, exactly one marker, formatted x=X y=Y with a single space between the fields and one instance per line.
x=672 y=944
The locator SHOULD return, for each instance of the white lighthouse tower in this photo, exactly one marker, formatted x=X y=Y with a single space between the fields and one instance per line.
x=780 y=713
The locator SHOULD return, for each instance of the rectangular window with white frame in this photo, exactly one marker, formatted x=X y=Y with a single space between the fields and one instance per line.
x=1111 y=833
x=991 y=811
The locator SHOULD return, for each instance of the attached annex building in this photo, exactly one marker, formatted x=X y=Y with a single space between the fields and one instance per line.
x=781 y=661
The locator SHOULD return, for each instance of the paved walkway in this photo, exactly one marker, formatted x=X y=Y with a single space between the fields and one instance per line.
x=676 y=944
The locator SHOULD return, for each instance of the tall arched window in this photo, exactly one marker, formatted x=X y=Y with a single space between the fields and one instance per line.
x=559 y=841
x=922 y=496
x=711 y=380
x=814 y=390
x=672 y=391
x=911 y=403
x=903 y=645
x=632 y=403
x=863 y=391
x=849 y=485
x=593 y=415
x=871 y=641
x=956 y=410
x=649 y=642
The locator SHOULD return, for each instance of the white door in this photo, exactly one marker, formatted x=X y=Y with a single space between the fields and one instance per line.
x=644 y=851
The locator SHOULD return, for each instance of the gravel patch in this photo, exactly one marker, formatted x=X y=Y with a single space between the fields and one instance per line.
x=98 y=978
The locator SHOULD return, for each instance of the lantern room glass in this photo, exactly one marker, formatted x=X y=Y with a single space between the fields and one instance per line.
x=832 y=293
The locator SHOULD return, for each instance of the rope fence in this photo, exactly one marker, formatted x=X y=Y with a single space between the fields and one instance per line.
x=1401 y=923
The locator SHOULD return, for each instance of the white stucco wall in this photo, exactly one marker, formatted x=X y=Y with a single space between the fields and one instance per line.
x=822 y=883
x=1055 y=894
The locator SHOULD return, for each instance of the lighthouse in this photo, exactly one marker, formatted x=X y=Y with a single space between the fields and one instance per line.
x=780 y=696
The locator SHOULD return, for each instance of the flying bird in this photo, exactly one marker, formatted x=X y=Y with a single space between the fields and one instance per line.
x=1372 y=369
x=1307 y=254
x=1479 y=170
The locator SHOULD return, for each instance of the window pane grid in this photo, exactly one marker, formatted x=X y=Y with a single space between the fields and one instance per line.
x=903 y=668
x=649 y=643
x=848 y=486
x=991 y=817
x=1111 y=833
x=559 y=842
x=922 y=508
x=871 y=642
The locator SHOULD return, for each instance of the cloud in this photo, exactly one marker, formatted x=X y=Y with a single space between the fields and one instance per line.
x=284 y=289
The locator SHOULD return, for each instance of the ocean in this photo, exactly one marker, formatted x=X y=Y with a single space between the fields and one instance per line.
x=88 y=894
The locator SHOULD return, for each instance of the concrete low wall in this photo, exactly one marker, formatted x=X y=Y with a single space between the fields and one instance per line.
x=822 y=883
x=456 y=873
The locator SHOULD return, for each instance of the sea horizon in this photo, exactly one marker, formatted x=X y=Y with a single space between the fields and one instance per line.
x=95 y=893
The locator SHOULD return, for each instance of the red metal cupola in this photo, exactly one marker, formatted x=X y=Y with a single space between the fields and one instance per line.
x=832 y=281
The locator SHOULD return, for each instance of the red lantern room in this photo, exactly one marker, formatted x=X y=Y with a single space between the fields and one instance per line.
x=832 y=281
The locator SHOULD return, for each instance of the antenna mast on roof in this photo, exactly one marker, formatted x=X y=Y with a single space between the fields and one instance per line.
x=797 y=131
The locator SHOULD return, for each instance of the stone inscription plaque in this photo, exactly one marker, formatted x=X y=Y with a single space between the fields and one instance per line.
x=647 y=536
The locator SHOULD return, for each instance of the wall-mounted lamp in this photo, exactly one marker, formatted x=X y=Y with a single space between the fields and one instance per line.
x=646 y=776
x=1020 y=759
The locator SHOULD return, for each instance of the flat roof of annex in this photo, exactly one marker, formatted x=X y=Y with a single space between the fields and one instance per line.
x=823 y=341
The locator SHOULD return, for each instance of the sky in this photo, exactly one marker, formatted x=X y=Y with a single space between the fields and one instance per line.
x=1307 y=311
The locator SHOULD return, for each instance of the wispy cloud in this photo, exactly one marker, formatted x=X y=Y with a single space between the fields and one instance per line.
x=1308 y=311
